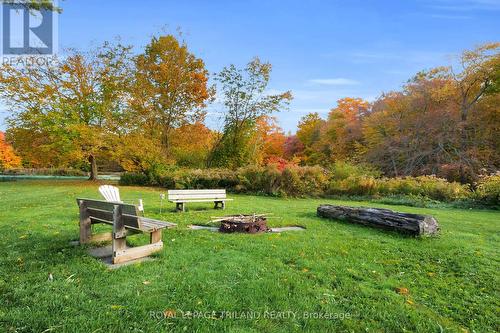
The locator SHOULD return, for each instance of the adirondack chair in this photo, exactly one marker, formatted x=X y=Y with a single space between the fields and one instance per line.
x=126 y=221
x=112 y=194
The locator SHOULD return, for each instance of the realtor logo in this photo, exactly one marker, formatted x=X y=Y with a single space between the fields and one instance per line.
x=26 y=31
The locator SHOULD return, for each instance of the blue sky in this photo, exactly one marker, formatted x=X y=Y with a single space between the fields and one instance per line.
x=320 y=50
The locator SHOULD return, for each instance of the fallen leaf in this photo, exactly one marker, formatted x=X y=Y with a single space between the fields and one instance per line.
x=402 y=290
x=169 y=313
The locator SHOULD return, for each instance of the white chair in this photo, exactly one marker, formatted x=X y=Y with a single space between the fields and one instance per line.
x=112 y=194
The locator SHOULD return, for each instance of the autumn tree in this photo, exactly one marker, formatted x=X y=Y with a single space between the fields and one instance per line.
x=69 y=107
x=243 y=92
x=342 y=130
x=273 y=138
x=293 y=148
x=478 y=75
x=169 y=89
x=309 y=132
x=413 y=132
x=8 y=158
x=443 y=122
x=268 y=140
x=191 y=144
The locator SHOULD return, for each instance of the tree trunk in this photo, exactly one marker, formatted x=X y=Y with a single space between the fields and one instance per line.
x=93 y=167
x=412 y=224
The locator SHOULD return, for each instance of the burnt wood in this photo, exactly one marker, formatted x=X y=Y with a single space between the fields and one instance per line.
x=243 y=223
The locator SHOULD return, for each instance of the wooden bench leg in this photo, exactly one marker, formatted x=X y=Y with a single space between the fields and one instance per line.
x=124 y=254
x=119 y=247
x=223 y=203
x=155 y=237
x=179 y=207
x=85 y=224
x=119 y=243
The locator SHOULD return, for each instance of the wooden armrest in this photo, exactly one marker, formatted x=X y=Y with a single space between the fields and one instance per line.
x=162 y=224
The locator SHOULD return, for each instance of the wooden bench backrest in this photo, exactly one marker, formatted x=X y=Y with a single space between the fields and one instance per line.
x=103 y=211
x=196 y=194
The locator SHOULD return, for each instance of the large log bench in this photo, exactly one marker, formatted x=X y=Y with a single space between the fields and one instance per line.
x=126 y=220
x=181 y=197
x=413 y=224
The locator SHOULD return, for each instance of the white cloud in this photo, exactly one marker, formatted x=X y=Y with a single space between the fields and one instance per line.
x=334 y=82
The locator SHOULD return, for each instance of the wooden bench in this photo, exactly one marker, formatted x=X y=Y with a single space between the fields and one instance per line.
x=181 y=197
x=126 y=221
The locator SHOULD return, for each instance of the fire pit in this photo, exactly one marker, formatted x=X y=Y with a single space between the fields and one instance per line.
x=243 y=223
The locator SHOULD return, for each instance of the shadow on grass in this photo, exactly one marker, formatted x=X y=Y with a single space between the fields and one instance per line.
x=158 y=211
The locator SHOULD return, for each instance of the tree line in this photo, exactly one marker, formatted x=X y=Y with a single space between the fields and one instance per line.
x=443 y=122
x=146 y=112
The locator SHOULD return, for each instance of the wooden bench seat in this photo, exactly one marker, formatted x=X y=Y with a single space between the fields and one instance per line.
x=126 y=220
x=181 y=197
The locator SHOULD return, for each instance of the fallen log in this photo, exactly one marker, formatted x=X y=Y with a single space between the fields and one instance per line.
x=413 y=224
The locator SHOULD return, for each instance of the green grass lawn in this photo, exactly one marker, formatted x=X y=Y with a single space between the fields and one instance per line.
x=346 y=277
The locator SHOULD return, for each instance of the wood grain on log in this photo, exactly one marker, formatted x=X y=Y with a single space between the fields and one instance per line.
x=413 y=224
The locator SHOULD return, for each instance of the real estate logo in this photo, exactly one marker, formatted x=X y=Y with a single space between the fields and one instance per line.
x=26 y=31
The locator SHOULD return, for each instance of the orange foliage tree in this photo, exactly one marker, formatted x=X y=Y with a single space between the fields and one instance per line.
x=343 y=128
x=269 y=140
x=8 y=158
x=191 y=144
x=169 y=89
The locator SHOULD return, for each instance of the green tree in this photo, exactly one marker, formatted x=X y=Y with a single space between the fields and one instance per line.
x=68 y=107
x=309 y=133
x=243 y=92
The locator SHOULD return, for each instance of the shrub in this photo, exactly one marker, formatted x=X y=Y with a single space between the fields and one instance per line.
x=130 y=178
x=280 y=162
x=315 y=180
x=256 y=179
x=342 y=170
x=45 y=172
x=488 y=190
x=204 y=179
x=353 y=185
x=428 y=186
x=425 y=186
x=303 y=181
x=299 y=181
